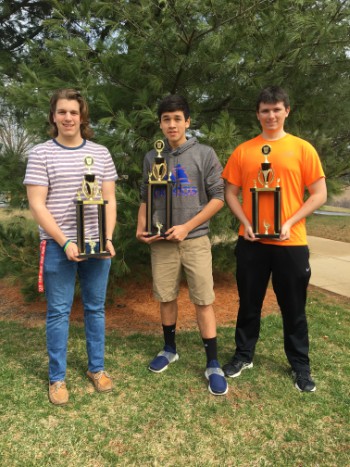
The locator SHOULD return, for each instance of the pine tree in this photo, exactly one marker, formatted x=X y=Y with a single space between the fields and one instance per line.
x=126 y=55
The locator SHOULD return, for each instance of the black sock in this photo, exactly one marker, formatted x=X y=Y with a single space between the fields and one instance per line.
x=169 y=335
x=210 y=346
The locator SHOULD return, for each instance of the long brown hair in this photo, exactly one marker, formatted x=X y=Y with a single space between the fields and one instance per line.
x=71 y=94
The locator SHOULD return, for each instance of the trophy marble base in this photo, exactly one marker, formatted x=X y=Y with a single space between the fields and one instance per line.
x=102 y=254
x=150 y=234
x=260 y=235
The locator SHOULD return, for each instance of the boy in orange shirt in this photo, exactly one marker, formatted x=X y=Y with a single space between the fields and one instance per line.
x=296 y=166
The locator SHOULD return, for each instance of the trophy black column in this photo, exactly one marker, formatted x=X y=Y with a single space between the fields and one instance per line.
x=80 y=226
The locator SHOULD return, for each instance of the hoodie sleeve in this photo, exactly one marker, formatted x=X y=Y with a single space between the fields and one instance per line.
x=214 y=184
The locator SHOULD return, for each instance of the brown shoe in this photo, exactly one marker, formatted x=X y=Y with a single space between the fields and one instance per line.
x=58 y=394
x=101 y=380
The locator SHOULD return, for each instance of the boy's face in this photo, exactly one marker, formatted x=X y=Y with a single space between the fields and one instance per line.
x=67 y=118
x=272 y=116
x=174 y=126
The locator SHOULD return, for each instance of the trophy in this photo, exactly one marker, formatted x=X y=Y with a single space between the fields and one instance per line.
x=265 y=177
x=90 y=194
x=159 y=195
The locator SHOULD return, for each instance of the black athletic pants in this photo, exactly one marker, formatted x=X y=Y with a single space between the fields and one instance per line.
x=290 y=271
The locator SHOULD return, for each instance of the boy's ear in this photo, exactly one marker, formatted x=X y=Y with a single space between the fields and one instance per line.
x=188 y=122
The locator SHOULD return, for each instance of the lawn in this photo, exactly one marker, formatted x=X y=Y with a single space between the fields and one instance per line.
x=331 y=227
x=170 y=419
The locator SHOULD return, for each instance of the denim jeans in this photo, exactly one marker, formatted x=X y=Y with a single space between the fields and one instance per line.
x=59 y=279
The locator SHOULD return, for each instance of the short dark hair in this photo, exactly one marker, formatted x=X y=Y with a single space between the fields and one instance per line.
x=172 y=103
x=271 y=95
x=71 y=95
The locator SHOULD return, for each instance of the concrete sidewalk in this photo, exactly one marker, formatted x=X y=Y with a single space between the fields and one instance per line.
x=330 y=265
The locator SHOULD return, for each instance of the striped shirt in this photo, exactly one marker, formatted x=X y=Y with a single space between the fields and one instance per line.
x=62 y=170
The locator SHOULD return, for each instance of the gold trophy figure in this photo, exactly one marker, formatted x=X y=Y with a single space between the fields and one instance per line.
x=265 y=177
x=267 y=226
x=90 y=184
x=159 y=195
x=266 y=174
x=159 y=226
x=159 y=168
x=90 y=194
x=92 y=246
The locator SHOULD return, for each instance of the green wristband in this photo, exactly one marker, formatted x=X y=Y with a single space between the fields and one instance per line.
x=66 y=244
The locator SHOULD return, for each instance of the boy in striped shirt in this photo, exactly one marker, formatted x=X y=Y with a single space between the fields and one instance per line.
x=54 y=174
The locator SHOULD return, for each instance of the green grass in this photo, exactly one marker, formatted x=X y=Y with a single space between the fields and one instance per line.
x=328 y=208
x=170 y=419
x=332 y=227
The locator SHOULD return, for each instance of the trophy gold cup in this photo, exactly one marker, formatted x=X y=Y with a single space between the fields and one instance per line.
x=90 y=194
x=159 y=195
x=265 y=178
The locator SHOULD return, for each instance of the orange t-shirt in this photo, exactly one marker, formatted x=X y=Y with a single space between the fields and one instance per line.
x=296 y=165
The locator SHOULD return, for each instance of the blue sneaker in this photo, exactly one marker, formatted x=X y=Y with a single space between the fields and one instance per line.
x=215 y=376
x=163 y=359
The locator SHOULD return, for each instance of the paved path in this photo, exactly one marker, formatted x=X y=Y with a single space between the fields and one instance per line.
x=330 y=265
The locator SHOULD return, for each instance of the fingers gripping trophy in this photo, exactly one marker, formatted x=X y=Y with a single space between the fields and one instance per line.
x=265 y=178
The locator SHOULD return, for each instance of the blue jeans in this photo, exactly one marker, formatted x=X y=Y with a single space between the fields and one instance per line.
x=59 y=279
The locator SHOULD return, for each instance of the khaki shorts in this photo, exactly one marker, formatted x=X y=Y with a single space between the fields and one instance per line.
x=194 y=257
